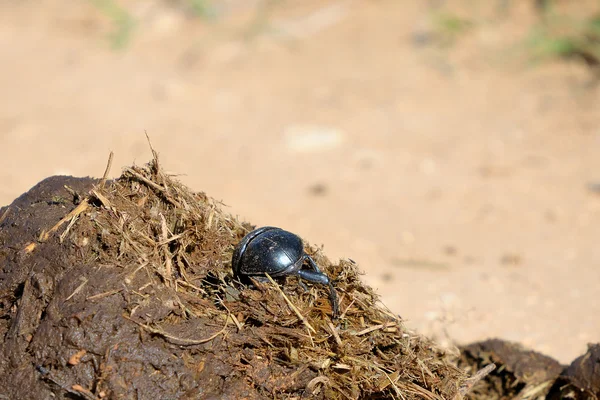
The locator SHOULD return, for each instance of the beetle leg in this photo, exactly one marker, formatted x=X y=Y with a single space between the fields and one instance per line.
x=335 y=305
x=312 y=276
x=261 y=279
x=302 y=284
x=319 y=277
x=312 y=263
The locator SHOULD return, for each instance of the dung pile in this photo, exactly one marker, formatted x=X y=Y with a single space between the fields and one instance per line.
x=124 y=289
x=525 y=374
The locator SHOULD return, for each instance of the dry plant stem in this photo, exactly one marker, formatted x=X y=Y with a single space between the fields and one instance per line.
x=107 y=170
x=175 y=339
x=171 y=239
x=83 y=392
x=4 y=214
x=479 y=375
x=155 y=186
x=532 y=392
x=346 y=395
x=398 y=392
x=233 y=317
x=413 y=388
x=79 y=209
x=75 y=212
x=145 y=180
x=389 y=313
x=337 y=338
x=131 y=275
x=165 y=248
x=105 y=202
x=181 y=259
x=376 y=327
x=78 y=289
x=71 y=191
x=410 y=387
x=66 y=232
x=154 y=153
x=30 y=247
x=190 y=285
x=105 y=294
x=292 y=306
x=346 y=310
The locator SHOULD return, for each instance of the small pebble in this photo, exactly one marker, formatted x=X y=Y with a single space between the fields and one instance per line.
x=594 y=187
x=307 y=138
x=450 y=250
x=318 y=189
x=511 y=259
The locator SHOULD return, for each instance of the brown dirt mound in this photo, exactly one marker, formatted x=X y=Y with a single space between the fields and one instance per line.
x=521 y=373
x=526 y=374
x=124 y=289
x=581 y=379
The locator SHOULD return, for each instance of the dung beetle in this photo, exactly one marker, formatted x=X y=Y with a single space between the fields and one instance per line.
x=273 y=251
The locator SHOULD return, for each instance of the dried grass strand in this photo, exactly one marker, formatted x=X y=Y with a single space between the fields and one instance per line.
x=292 y=306
x=75 y=212
x=84 y=392
x=376 y=327
x=4 y=215
x=77 y=289
x=177 y=340
x=470 y=382
x=335 y=334
x=104 y=294
x=107 y=170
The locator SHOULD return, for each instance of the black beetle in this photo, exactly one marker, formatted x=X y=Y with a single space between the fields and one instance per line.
x=273 y=251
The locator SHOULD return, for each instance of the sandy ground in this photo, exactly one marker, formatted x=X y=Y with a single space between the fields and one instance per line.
x=457 y=177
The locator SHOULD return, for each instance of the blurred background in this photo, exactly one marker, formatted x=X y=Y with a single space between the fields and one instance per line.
x=451 y=148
